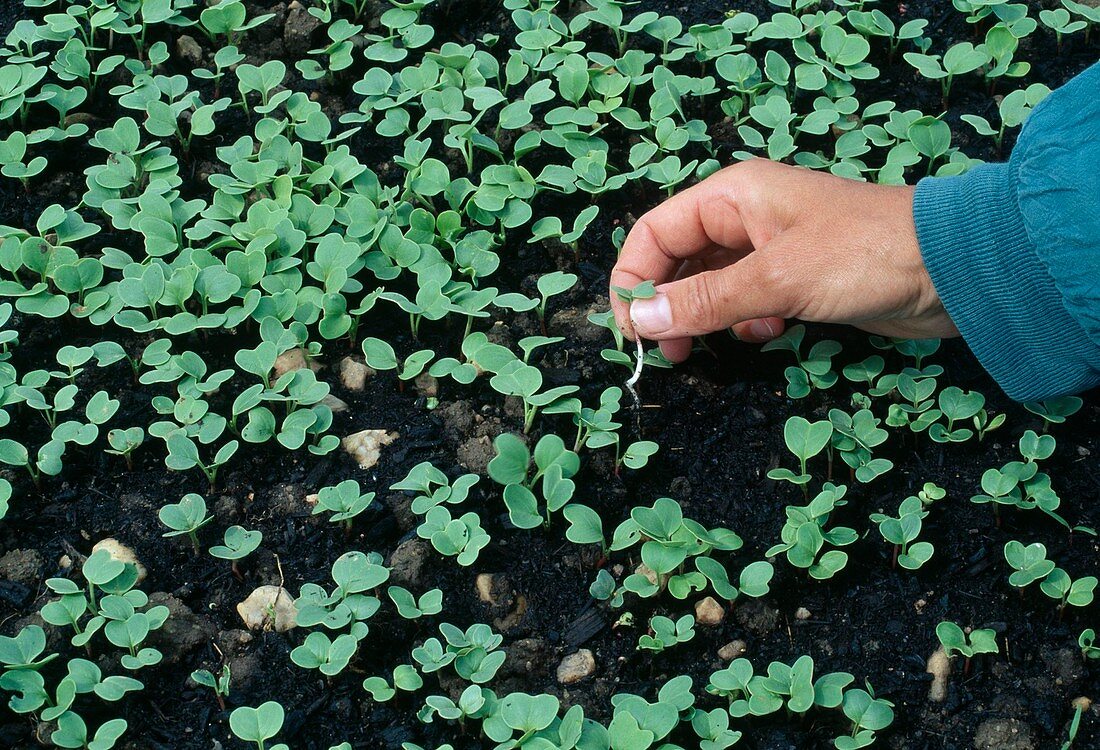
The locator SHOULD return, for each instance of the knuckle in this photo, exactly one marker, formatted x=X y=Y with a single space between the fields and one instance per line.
x=700 y=305
x=644 y=233
x=775 y=278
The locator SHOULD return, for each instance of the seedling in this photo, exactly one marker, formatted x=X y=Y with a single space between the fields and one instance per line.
x=1055 y=410
x=405 y=678
x=344 y=502
x=813 y=371
x=525 y=382
x=258 y=725
x=805 y=440
x=854 y=437
x=903 y=531
x=959 y=59
x=956 y=406
x=461 y=538
x=434 y=488
x=411 y=608
x=186 y=517
x=125 y=442
x=804 y=535
x=554 y=464
x=219 y=683
x=968 y=643
x=550 y=285
x=1087 y=642
x=667 y=633
x=229 y=19
x=238 y=544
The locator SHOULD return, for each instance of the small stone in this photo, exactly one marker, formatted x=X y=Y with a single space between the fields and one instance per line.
x=81 y=118
x=312 y=498
x=188 y=50
x=366 y=446
x=576 y=667
x=802 y=614
x=334 y=404
x=64 y=562
x=732 y=650
x=484 y=583
x=354 y=374
x=939 y=666
x=648 y=573
x=427 y=385
x=291 y=360
x=406 y=564
x=119 y=551
x=269 y=608
x=709 y=612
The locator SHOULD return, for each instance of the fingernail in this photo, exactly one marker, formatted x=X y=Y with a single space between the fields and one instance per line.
x=651 y=316
x=762 y=329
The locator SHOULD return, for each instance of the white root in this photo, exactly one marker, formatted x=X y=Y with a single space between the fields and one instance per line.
x=637 y=375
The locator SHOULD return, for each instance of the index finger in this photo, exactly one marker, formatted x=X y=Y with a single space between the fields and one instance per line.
x=689 y=225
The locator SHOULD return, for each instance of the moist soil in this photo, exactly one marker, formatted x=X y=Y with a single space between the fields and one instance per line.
x=718 y=420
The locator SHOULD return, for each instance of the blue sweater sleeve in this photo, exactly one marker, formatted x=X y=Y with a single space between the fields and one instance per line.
x=1013 y=249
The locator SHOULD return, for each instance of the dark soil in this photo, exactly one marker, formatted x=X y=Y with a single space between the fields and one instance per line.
x=719 y=422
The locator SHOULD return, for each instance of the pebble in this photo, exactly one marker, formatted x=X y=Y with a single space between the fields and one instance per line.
x=366 y=446
x=427 y=385
x=119 y=551
x=334 y=404
x=484 y=583
x=269 y=608
x=354 y=374
x=645 y=571
x=939 y=666
x=802 y=614
x=576 y=667
x=709 y=612
x=732 y=650
x=188 y=50
x=291 y=360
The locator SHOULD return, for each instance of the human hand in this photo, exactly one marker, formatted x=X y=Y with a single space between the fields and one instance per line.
x=760 y=242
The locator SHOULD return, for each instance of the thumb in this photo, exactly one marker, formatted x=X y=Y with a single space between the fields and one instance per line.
x=709 y=301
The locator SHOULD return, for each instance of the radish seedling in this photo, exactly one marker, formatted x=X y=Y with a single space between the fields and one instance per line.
x=966 y=643
x=186 y=517
x=258 y=725
x=813 y=371
x=1087 y=642
x=238 y=543
x=554 y=464
x=805 y=440
x=667 y=633
x=804 y=535
x=343 y=501
x=903 y=530
x=219 y=683
x=461 y=538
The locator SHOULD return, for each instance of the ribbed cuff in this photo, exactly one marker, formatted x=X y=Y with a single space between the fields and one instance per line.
x=994 y=285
